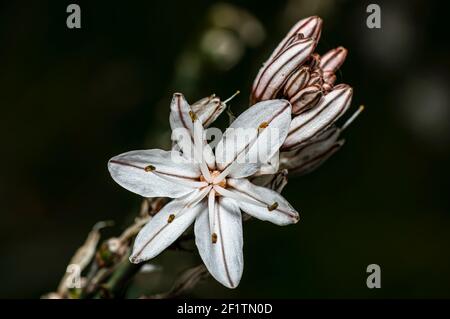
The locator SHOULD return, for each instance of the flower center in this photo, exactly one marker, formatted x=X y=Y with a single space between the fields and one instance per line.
x=214 y=174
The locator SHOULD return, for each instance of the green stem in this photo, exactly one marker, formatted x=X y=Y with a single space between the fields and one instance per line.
x=119 y=279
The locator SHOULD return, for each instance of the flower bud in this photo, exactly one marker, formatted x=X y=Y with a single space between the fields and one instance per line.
x=274 y=73
x=306 y=79
x=329 y=78
x=276 y=181
x=208 y=109
x=333 y=59
x=307 y=124
x=306 y=99
x=297 y=81
x=289 y=55
x=316 y=78
x=314 y=62
x=310 y=156
x=310 y=27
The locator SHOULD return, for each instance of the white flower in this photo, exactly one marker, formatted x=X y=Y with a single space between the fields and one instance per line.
x=209 y=188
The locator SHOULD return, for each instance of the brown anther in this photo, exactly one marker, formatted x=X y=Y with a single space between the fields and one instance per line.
x=272 y=207
x=193 y=116
x=171 y=218
x=149 y=168
x=263 y=125
x=214 y=238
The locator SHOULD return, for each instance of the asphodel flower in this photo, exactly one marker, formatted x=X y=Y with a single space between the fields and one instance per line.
x=209 y=188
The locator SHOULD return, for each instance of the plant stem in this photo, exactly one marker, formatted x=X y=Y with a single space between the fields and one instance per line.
x=120 y=277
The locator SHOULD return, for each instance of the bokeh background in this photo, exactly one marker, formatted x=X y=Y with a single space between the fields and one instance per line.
x=71 y=99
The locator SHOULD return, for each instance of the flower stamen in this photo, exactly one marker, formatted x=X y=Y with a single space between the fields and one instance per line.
x=193 y=116
x=171 y=218
x=231 y=97
x=353 y=117
x=272 y=207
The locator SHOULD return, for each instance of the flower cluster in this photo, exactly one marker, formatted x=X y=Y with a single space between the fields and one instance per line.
x=290 y=127
x=295 y=72
x=307 y=80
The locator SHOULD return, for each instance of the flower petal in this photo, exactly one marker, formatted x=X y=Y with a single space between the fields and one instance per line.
x=155 y=173
x=328 y=78
x=312 y=154
x=167 y=225
x=274 y=74
x=260 y=202
x=330 y=108
x=297 y=81
x=253 y=138
x=208 y=109
x=310 y=27
x=306 y=99
x=333 y=59
x=221 y=248
x=276 y=182
x=182 y=119
x=316 y=78
x=269 y=167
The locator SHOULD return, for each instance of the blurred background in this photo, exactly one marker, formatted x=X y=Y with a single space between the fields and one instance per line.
x=72 y=98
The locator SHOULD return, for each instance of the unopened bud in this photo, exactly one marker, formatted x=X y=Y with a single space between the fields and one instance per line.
x=306 y=99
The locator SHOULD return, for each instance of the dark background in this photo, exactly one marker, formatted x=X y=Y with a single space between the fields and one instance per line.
x=70 y=99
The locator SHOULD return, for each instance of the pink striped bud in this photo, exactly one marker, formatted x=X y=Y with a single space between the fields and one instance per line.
x=208 y=109
x=333 y=59
x=307 y=124
x=274 y=73
x=305 y=99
